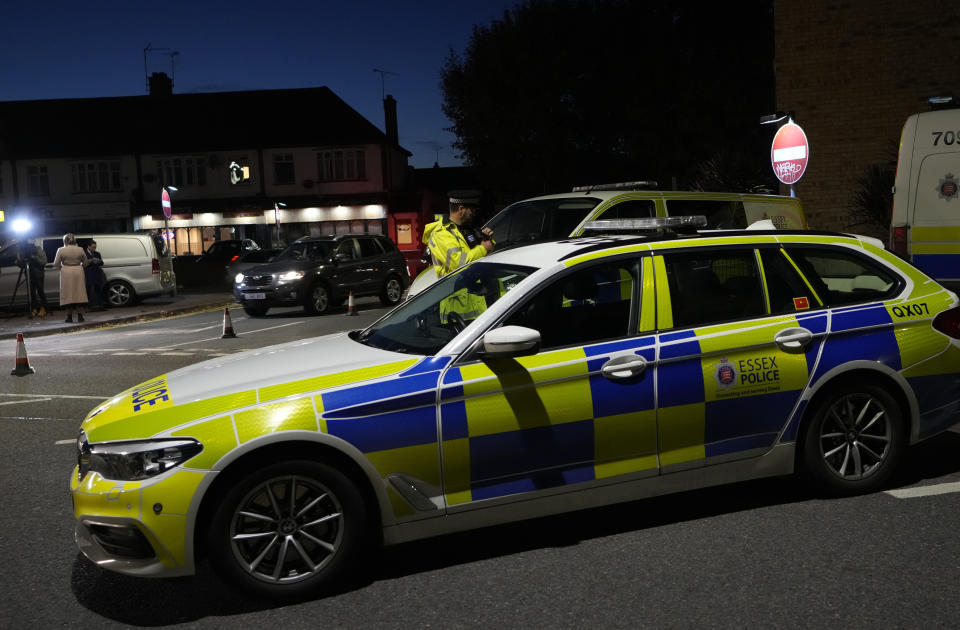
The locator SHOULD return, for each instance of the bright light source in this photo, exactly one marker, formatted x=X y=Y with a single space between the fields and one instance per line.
x=21 y=225
x=171 y=188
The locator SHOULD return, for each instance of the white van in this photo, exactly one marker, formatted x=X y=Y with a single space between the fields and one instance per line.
x=925 y=224
x=132 y=263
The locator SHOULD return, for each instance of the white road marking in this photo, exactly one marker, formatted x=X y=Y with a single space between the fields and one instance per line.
x=925 y=491
x=23 y=402
x=58 y=396
x=129 y=354
x=246 y=332
x=176 y=354
x=73 y=441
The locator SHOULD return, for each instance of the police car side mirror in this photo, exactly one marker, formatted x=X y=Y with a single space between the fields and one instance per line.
x=340 y=257
x=509 y=341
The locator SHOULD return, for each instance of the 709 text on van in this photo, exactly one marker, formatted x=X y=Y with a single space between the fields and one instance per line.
x=949 y=137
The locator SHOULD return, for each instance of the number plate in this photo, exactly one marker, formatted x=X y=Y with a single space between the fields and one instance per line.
x=254 y=296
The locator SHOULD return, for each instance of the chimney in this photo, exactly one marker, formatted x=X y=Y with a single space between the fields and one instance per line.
x=161 y=84
x=390 y=120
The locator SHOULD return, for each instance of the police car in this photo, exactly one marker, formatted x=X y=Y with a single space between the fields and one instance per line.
x=601 y=370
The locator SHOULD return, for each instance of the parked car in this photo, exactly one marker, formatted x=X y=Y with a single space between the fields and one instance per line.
x=538 y=380
x=208 y=268
x=133 y=263
x=319 y=272
x=563 y=215
x=241 y=262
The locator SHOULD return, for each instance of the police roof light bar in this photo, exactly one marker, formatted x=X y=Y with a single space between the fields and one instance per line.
x=637 y=185
x=652 y=223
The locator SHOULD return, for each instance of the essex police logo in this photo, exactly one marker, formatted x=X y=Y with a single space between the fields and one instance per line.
x=947 y=189
x=726 y=374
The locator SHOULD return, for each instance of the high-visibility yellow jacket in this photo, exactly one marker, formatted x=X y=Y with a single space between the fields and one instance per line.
x=449 y=249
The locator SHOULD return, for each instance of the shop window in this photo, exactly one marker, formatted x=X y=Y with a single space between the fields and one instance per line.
x=375 y=227
x=356 y=227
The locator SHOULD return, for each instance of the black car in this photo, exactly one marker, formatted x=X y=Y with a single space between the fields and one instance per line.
x=320 y=272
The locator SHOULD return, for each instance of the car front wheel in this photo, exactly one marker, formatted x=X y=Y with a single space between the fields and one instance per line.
x=318 y=299
x=288 y=530
x=392 y=291
x=855 y=440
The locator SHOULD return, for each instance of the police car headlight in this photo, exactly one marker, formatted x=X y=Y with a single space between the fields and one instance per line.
x=238 y=278
x=290 y=275
x=133 y=461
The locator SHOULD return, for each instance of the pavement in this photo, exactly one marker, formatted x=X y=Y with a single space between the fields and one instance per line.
x=193 y=300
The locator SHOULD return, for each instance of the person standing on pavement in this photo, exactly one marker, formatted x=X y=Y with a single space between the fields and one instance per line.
x=94 y=276
x=32 y=260
x=71 y=260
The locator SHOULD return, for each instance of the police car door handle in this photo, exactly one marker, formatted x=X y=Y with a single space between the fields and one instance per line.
x=793 y=339
x=625 y=367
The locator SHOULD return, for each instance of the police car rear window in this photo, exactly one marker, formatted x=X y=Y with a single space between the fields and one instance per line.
x=841 y=276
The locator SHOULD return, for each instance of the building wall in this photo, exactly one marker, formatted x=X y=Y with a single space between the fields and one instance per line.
x=851 y=72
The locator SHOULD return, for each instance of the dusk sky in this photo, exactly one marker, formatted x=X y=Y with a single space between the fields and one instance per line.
x=59 y=49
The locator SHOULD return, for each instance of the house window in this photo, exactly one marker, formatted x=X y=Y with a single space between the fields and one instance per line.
x=283 y=172
x=96 y=176
x=191 y=171
x=341 y=165
x=38 y=182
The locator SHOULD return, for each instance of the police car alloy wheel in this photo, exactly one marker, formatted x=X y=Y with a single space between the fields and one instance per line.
x=288 y=530
x=318 y=299
x=392 y=291
x=855 y=439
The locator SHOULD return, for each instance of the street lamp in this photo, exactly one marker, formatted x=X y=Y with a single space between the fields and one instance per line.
x=276 y=217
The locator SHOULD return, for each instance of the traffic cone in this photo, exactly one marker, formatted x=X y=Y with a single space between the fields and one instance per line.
x=351 y=309
x=22 y=366
x=227 y=325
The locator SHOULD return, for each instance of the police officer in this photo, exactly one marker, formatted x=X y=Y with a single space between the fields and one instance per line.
x=453 y=242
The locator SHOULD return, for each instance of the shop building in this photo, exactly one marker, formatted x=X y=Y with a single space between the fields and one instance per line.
x=271 y=165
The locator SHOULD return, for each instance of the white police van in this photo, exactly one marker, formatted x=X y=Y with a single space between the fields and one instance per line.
x=925 y=223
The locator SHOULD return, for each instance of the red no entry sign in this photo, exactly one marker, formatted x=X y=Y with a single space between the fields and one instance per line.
x=165 y=202
x=789 y=152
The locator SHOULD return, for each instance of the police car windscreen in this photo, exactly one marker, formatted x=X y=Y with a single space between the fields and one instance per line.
x=540 y=220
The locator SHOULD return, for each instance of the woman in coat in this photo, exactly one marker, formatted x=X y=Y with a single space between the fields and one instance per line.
x=70 y=260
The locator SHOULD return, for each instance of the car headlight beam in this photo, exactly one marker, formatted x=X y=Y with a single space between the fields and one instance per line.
x=135 y=460
x=238 y=278
x=290 y=275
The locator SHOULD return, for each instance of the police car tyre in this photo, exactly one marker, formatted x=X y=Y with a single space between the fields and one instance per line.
x=255 y=311
x=392 y=291
x=119 y=293
x=288 y=530
x=318 y=299
x=855 y=439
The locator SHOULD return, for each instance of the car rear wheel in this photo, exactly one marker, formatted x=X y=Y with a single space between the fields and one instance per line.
x=855 y=440
x=255 y=311
x=288 y=530
x=392 y=291
x=318 y=299
x=119 y=293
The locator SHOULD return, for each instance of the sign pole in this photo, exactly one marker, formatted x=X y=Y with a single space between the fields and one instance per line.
x=167 y=212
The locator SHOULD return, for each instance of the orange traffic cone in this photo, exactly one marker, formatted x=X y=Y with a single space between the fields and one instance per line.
x=351 y=309
x=22 y=366
x=227 y=325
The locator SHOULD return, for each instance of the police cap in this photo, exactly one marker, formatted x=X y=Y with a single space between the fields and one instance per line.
x=464 y=197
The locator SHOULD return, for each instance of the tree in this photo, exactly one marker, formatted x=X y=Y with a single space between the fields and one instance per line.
x=562 y=93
